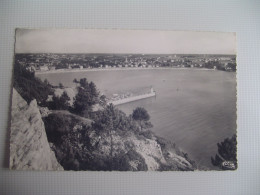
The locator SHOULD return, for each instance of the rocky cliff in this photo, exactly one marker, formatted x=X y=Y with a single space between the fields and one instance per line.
x=29 y=147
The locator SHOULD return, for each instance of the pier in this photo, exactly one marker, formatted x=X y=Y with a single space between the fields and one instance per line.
x=133 y=98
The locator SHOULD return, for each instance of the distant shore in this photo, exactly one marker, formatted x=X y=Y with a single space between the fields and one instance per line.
x=113 y=69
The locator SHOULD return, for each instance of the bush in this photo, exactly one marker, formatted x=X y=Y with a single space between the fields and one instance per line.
x=227 y=152
x=57 y=125
x=121 y=163
x=147 y=134
x=140 y=114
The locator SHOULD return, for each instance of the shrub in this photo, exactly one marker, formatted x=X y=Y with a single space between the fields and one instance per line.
x=57 y=125
x=227 y=152
x=140 y=114
x=121 y=163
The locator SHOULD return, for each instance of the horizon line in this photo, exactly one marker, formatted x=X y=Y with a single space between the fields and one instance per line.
x=128 y=53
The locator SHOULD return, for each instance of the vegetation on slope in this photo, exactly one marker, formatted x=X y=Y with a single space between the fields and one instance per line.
x=226 y=158
x=30 y=87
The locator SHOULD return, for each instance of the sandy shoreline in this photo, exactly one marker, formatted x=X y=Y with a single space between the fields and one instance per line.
x=112 y=69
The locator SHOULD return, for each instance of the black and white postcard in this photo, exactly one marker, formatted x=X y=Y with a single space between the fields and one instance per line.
x=123 y=100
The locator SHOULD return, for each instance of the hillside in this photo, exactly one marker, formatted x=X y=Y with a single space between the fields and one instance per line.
x=80 y=145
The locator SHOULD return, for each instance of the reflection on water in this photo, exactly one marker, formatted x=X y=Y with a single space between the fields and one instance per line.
x=194 y=108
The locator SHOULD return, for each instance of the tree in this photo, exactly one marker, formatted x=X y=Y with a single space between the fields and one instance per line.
x=83 y=83
x=226 y=158
x=94 y=92
x=61 y=85
x=102 y=100
x=81 y=103
x=60 y=103
x=232 y=66
x=121 y=122
x=64 y=100
x=140 y=114
x=46 y=82
x=110 y=128
x=87 y=96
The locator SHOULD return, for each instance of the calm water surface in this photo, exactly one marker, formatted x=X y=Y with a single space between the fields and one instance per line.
x=194 y=108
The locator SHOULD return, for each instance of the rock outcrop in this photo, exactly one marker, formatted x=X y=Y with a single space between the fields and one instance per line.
x=154 y=153
x=29 y=147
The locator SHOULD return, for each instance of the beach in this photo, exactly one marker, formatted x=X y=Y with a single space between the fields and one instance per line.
x=113 y=69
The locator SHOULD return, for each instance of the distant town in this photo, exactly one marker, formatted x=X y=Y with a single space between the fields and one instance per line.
x=45 y=62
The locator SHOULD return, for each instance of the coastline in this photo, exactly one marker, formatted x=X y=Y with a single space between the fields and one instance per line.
x=114 y=69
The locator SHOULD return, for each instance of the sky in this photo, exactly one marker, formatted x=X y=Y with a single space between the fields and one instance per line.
x=123 y=41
